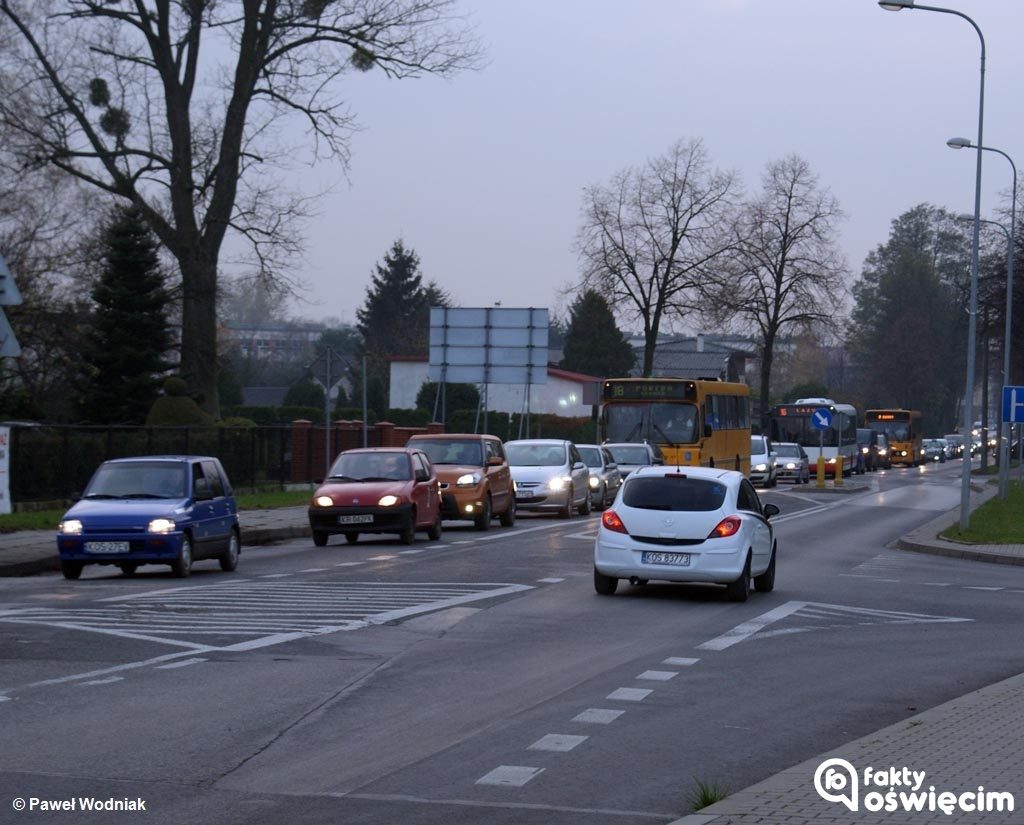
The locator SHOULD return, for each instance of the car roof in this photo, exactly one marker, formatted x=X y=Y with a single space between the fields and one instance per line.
x=548 y=441
x=126 y=459
x=706 y=473
x=449 y=436
x=405 y=450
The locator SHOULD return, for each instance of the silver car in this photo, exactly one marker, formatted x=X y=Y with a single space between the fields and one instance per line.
x=631 y=455
x=550 y=475
x=605 y=477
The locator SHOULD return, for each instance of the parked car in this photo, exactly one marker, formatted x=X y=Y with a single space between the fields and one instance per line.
x=605 y=476
x=867 y=442
x=701 y=525
x=631 y=455
x=934 y=450
x=763 y=461
x=550 y=475
x=152 y=510
x=474 y=477
x=377 y=490
x=792 y=463
x=884 y=451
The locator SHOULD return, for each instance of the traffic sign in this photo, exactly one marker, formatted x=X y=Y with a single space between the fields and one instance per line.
x=821 y=418
x=1013 y=405
x=9 y=296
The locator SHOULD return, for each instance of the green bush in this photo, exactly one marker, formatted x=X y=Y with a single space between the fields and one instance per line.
x=276 y=415
x=408 y=418
x=355 y=414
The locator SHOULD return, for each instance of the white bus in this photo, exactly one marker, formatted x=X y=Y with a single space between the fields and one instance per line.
x=792 y=422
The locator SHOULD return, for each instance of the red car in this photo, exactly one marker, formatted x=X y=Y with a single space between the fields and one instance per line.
x=377 y=490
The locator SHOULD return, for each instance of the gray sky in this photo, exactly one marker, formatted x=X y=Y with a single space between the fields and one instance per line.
x=482 y=175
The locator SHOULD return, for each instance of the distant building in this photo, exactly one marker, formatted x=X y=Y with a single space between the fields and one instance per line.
x=566 y=393
x=263 y=396
x=272 y=341
x=722 y=357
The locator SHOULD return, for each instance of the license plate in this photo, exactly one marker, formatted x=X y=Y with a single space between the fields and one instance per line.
x=524 y=494
x=106 y=547
x=365 y=519
x=676 y=559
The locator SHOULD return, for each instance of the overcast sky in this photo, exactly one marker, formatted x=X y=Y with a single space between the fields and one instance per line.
x=482 y=175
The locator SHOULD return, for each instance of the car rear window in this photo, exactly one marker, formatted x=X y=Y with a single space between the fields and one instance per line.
x=673 y=492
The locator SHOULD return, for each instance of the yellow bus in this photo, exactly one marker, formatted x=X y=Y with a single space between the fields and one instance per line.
x=695 y=423
x=902 y=429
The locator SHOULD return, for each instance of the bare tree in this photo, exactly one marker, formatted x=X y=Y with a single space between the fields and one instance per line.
x=649 y=237
x=786 y=271
x=177 y=107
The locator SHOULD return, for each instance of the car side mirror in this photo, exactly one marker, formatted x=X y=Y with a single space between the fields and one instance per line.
x=771 y=510
x=579 y=465
x=611 y=465
x=203 y=495
x=708 y=429
x=421 y=475
x=494 y=461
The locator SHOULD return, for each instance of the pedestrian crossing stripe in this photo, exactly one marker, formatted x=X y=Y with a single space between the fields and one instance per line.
x=818 y=616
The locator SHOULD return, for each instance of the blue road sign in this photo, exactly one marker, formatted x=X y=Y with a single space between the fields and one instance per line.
x=821 y=418
x=1013 y=405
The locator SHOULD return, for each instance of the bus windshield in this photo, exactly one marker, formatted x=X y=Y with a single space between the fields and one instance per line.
x=661 y=423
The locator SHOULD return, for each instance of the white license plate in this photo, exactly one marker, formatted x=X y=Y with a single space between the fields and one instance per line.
x=524 y=494
x=676 y=559
x=106 y=547
x=365 y=519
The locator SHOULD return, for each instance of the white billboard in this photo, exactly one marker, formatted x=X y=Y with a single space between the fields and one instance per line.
x=489 y=345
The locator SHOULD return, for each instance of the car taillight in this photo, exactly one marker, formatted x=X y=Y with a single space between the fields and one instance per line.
x=729 y=526
x=611 y=521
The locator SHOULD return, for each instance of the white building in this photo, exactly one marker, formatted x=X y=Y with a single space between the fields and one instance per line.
x=570 y=394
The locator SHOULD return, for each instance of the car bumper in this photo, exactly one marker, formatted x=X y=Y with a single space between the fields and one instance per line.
x=709 y=562
x=97 y=548
x=336 y=520
x=462 y=503
x=542 y=500
x=760 y=476
x=795 y=474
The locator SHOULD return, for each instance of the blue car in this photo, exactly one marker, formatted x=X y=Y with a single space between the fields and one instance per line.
x=152 y=510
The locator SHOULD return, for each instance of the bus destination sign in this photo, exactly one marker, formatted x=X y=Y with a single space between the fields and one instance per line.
x=623 y=390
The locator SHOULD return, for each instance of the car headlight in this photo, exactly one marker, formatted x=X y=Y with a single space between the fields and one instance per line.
x=468 y=480
x=72 y=527
x=559 y=483
x=864 y=450
x=323 y=501
x=882 y=451
x=595 y=481
x=161 y=525
x=388 y=501
x=760 y=467
x=790 y=465
x=830 y=461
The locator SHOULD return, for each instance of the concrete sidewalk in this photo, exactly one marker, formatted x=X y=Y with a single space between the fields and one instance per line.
x=976 y=740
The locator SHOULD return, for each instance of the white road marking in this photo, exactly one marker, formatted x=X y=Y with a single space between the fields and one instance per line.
x=382 y=558
x=274 y=576
x=680 y=661
x=314 y=570
x=629 y=694
x=658 y=675
x=550 y=581
x=108 y=681
x=514 y=776
x=348 y=564
x=937 y=584
x=182 y=663
x=557 y=742
x=969 y=587
x=598 y=716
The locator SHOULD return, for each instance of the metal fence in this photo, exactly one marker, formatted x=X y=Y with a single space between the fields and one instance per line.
x=50 y=463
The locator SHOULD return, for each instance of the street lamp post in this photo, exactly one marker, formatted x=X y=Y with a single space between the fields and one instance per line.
x=972 y=319
x=1004 y=428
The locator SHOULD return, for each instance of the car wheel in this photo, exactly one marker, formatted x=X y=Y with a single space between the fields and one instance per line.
x=434 y=530
x=71 y=569
x=351 y=538
x=508 y=518
x=320 y=538
x=129 y=567
x=182 y=565
x=587 y=504
x=765 y=583
x=408 y=534
x=604 y=585
x=739 y=590
x=567 y=511
x=483 y=520
x=229 y=558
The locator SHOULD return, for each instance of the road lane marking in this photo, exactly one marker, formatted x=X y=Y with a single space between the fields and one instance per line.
x=550 y=581
x=598 y=716
x=182 y=663
x=511 y=806
x=513 y=776
x=681 y=661
x=658 y=675
x=108 y=681
x=629 y=694
x=557 y=742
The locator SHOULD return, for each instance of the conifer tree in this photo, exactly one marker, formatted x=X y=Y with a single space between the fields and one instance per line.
x=594 y=345
x=126 y=348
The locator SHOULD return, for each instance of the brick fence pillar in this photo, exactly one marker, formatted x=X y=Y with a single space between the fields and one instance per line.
x=435 y=427
x=301 y=469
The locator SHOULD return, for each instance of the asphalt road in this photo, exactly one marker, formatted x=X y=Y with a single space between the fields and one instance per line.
x=480 y=678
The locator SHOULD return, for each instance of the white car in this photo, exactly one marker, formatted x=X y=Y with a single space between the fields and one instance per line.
x=696 y=525
x=763 y=461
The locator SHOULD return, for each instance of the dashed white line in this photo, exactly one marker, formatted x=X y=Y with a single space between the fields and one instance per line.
x=630 y=694
x=970 y=587
x=275 y=575
x=314 y=570
x=557 y=742
x=514 y=776
x=111 y=680
x=681 y=661
x=658 y=675
x=598 y=716
x=348 y=564
x=550 y=581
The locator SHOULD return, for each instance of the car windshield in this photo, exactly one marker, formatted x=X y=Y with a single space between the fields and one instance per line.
x=591 y=456
x=787 y=450
x=536 y=455
x=673 y=492
x=449 y=451
x=371 y=467
x=669 y=423
x=138 y=479
x=630 y=455
x=757 y=445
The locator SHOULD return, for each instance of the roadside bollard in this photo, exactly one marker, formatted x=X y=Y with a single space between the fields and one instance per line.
x=839 y=471
x=821 y=471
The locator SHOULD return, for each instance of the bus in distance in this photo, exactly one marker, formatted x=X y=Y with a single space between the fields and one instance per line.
x=792 y=422
x=902 y=428
x=696 y=423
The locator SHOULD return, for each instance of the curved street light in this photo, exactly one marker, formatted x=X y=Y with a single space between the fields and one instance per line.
x=1004 y=428
x=972 y=312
